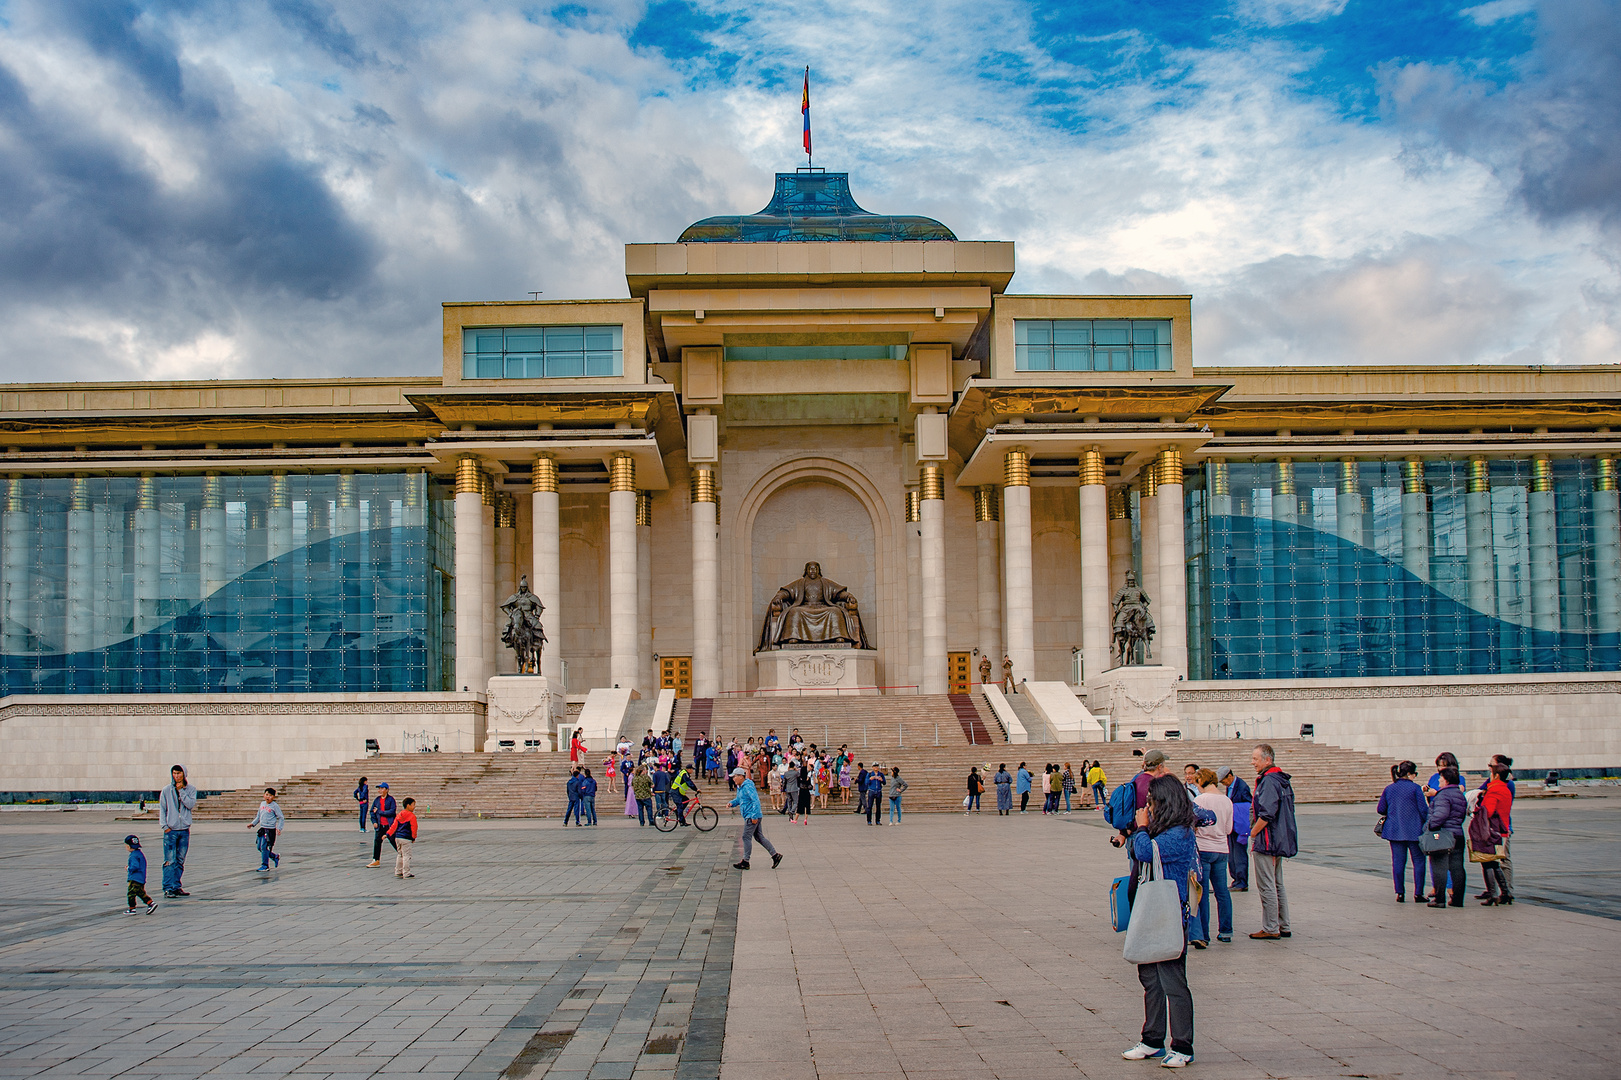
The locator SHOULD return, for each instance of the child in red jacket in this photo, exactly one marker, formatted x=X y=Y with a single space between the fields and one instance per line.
x=404 y=833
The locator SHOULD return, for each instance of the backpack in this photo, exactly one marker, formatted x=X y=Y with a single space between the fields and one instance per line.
x=1122 y=809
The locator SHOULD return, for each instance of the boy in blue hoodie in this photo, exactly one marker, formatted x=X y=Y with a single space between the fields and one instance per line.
x=137 y=875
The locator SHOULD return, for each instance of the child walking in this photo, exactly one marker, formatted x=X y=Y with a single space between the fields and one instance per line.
x=137 y=875
x=404 y=834
x=269 y=821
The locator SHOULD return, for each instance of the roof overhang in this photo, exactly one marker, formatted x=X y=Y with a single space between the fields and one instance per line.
x=1126 y=448
x=986 y=403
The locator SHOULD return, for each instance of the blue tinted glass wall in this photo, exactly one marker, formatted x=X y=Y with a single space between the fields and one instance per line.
x=194 y=584
x=1368 y=568
x=542 y=352
x=1092 y=344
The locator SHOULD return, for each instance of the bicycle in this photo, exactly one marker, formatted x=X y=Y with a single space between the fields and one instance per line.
x=703 y=818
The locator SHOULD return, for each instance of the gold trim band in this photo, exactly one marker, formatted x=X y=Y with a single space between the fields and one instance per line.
x=146 y=492
x=280 y=494
x=1412 y=476
x=1350 y=476
x=1286 y=477
x=506 y=511
x=1016 y=469
x=346 y=490
x=1480 y=475
x=987 y=507
x=914 y=507
x=1541 y=473
x=486 y=488
x=1168 y=466
x=467 y=476
x=79 y=494
x=1148 y=482
x=933 y=479
x=622 y=473
x=1091 y=467
x=644 y=509
x=544 y=475
x=1119 y=504
x=1605 y=478
x=213 y=499
x=1219 y=482
x=703 y=485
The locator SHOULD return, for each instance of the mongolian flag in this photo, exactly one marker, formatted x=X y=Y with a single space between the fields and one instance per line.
x=804 y=107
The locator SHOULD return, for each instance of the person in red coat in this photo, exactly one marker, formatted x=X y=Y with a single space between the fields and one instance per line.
x=1497 y=801
x=576 y=749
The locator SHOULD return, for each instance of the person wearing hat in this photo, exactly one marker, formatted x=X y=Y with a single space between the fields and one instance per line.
x=382 y=819
x=1153 y=767
x=747 y=802
x=1238 y=841
x=137 y=875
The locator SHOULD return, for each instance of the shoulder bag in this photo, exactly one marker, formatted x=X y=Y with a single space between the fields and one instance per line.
x=1436 y=841
x=1156 y=931
x=1379 y=827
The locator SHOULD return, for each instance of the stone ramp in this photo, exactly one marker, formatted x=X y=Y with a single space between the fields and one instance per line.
x=531 y=785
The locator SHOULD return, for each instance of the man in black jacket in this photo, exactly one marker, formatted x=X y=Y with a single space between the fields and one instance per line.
x=1274 y=838
x=1238 y=841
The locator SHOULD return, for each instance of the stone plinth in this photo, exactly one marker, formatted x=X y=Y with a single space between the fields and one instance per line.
x=1140 y=697
x=522 y=713
x=807 y=672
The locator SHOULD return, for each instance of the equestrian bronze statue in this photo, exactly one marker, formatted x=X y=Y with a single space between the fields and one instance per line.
x=523 y=633
x=1133 y=626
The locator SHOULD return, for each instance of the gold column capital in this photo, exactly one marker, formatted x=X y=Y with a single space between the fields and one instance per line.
x=622 y=473
x=543 y=477
x=486 y=487
x=346 y=489
x=1148 y=482
x=467 y=475
x=1016 y=469
x=1286 y=477
x=14 y=493
x=79 y=493
x=1412 y=476
x=1480 y=475
x=1604 y=478
x=1168 y=466
x=1541 y=473
x=146 y=492
x=280 y=494
x=987 y=507
x=933 y=481
x=413 y=489
x=703 y=485
x=1119 y=504
x=1219 y=478
x=1091 y=467
x=506 y=511
x=914 y=507
x=644 y=509
x=1350 y=476
x=213 y=499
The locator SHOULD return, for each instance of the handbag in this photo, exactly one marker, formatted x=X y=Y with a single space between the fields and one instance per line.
x=1379 y=827
x=1157 y=931
x=1436 y=841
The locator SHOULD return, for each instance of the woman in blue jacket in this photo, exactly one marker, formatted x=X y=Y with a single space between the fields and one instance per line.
x=1168 y=820
x=1448 y=810
x=1406 y=811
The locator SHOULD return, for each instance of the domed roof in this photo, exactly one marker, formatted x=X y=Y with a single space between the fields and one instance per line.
x=810 y=204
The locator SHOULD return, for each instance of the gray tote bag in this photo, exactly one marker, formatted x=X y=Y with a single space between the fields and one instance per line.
x=1156 y=931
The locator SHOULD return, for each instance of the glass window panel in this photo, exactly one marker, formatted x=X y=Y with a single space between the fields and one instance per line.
x=602 y=338
x=601 y=363
x=1071 y=358
x=517 y=367
x=489 y=367
x=1164 y=354
x=1144 y=359
x=1111 y=331
x=565 y=339
x=1032 y=331
x=1119 y=359
x=1072 y=332
x=564 y=365
x=525 y=339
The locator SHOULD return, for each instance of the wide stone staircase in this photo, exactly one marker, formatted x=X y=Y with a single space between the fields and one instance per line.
x=923 y=736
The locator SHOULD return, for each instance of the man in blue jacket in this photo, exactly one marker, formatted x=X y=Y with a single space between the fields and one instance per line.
x=574 y=808
x=1238 y=841
x=747 y=802
x=382 y=819
x=1274 y=838
x=875 y=795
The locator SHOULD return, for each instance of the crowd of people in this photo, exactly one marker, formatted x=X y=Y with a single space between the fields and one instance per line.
x=1418 y=821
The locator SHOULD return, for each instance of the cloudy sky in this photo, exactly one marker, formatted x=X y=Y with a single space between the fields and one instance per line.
x=252 y=188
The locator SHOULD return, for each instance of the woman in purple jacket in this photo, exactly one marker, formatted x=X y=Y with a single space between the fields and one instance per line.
x=1406 y=811
x=1448 y=810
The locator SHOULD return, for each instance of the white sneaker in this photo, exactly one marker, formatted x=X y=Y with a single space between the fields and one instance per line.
x=1174 y=1060
x=1142 y=1052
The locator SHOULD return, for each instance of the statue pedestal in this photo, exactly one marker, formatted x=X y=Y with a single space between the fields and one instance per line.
x=1137 y=698
x=522 y=713
x=789 y=673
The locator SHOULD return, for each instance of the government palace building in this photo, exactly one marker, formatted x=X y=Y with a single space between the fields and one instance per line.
x=264 y=577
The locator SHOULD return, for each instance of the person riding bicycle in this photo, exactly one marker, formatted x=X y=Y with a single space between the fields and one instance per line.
x=683 y=789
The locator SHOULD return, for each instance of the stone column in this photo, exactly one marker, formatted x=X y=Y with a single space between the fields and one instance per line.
x=987 y=525
x=506 y=574
x=932 y=522
x=14 y=618
x=147 y=536
x=1606 y=549
x=255 y=537
x=470 y=588
x=1415 y=520
x=644 y=590
x=318 y=525
x=81 y=561
x=1017 y=567
x=1171 y=624
x=1477 y=509
x=1148 y=527
x=1119 y=500
x=279 y=517
x=546 y=572
x=489 y=636
x=1544 y=549
x=1095 y=596
x=914 y=591
x=705 y=585
x=622 y=666
x=108 y=573
x=211 y=572
x=1348 y=503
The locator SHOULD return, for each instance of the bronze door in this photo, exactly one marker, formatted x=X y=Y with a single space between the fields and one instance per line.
x=675 y=673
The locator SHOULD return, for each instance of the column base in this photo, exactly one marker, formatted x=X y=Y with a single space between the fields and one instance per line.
x=1140 y=701
x=788 y=673
x=522 y=713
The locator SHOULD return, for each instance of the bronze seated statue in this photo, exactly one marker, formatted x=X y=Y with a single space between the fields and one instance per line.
x=812 y=610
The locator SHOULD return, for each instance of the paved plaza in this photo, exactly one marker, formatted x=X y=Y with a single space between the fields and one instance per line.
x=951 y=946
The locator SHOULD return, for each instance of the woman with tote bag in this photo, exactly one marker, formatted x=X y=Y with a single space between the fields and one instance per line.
x=1156 y=939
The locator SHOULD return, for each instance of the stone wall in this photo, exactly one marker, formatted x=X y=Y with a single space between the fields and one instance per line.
x=128 y=742
x=1541 y=721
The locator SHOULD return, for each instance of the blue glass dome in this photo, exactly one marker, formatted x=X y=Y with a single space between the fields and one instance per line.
x=812 y=205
